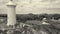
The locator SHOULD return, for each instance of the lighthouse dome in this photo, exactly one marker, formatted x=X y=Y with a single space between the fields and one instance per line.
x=11 y=3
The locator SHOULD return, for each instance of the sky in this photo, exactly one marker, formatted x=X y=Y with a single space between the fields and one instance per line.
x=32 y=6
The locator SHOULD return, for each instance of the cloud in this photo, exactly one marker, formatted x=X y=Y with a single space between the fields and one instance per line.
x=24 y=6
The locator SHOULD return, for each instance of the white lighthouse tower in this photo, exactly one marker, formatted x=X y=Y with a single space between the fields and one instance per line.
x=11 y=14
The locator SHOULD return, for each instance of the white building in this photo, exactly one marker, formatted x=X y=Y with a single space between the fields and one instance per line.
x=11 y=13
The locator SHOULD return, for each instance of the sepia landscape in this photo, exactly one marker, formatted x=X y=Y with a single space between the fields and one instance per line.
x=29 y=16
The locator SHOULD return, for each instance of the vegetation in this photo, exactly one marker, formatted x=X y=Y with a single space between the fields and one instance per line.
x=30 y=16
x=53 y=28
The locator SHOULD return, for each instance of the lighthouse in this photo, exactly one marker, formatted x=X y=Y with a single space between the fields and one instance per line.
x=11 y=13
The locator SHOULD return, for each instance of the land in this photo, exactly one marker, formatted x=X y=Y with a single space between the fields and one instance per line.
x=33 y=24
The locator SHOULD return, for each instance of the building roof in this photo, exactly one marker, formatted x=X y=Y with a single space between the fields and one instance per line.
x=11 y=3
